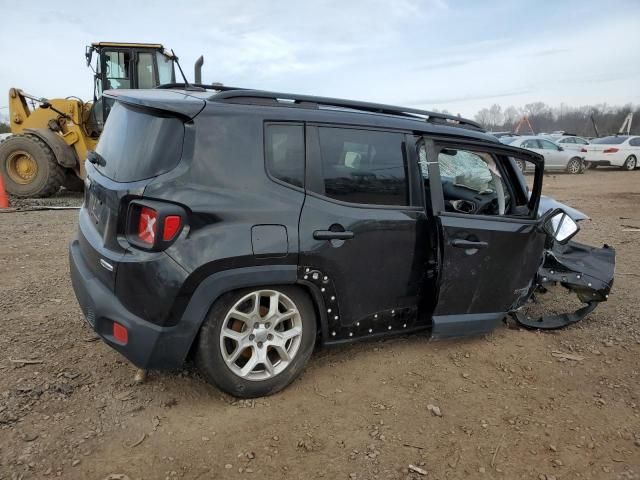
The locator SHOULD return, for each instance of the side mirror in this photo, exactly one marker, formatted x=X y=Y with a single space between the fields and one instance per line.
x=88 y=53
x=560 y=226
x=561 y=149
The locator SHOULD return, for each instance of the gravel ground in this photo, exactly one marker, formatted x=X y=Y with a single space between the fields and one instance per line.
x=509 y=408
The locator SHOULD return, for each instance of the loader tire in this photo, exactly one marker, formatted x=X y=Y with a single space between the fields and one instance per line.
x=29 y=167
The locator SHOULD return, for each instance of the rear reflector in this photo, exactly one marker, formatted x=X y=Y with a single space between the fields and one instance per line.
x=147 y=225
x=610 y=150
x=171 y=227
x=120 y=333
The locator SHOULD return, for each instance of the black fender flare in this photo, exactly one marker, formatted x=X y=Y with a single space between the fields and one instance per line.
x=64 y=154
x=178 y=342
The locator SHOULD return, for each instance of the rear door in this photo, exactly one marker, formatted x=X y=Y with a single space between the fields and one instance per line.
x=490 y=246
x=363 y=239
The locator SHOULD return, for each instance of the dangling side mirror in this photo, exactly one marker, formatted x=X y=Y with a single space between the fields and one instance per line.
x=560 y=226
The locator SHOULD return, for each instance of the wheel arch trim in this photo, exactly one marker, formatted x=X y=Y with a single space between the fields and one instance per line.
x=216 y=285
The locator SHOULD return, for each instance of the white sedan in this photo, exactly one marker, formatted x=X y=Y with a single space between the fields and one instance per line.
x=555 y=157
x=617 y=151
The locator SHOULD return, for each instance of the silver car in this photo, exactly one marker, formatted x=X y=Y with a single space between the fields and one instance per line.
x=555 y=156
x=570 y=142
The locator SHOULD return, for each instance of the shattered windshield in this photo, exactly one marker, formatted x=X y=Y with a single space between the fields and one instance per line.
x=468 y=169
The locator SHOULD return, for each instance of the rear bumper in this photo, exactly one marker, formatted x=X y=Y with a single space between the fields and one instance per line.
x=149 y=345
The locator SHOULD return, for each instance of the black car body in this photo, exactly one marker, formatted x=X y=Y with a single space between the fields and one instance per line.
x=364 y=209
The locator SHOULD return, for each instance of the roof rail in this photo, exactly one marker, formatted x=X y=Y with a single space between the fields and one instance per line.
x=230 y=93
x=196 y=86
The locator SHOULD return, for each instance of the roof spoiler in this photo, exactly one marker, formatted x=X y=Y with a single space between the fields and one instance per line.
x=167 y=101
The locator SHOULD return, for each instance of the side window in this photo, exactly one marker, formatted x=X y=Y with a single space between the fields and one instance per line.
x=284 y=152
x=531 y=144
x=569 y=140
x=635 y=142
x=117 y=70
x=581 y=141
x=146 y=77
x=363 y=166
x=547 y=145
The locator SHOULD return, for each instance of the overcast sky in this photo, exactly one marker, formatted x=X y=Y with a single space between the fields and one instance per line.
x=445 y=54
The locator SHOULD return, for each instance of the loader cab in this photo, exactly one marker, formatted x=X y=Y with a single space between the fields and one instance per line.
x=125 y=65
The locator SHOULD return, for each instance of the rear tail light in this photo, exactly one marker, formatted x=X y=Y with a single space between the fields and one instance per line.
x=172 y=224
x=154 y=225
x=147 y=225
x=610 y=150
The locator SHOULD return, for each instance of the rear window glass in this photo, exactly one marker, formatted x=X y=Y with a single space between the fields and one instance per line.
x=284 y=152
x=364 y=166
x=609 y=140
x=137 y=144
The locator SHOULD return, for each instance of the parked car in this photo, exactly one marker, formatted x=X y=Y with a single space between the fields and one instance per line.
x=570 y=142
x=617 y=151
x=241 y=228
x=555 y=156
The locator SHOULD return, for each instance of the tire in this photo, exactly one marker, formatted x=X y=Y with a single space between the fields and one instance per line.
x=29 y=167
x=630 y=163
x=575 y=166
x=238 y=370
x=72 y=182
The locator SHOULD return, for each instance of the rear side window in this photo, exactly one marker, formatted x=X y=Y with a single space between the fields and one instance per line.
x=137 y=144
x=284 y=152
x=635 y=142
x=363 y=166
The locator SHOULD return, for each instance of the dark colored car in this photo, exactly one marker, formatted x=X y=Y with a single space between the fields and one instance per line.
x=242 y=227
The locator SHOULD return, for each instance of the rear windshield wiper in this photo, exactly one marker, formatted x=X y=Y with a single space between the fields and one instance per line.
x=95 y=158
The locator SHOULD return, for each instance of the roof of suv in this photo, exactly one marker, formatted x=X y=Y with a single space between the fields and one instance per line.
x=193 y=98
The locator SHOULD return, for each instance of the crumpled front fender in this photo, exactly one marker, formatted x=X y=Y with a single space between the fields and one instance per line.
x=588 y=271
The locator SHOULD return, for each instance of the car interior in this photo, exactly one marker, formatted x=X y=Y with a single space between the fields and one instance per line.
x=471 y=182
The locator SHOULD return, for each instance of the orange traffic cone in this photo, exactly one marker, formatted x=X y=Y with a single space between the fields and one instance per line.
x=4 y=198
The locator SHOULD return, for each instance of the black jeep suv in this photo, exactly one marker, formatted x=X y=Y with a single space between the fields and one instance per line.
x=241 y=227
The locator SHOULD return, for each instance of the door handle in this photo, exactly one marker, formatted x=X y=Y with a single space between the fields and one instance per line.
x=330 y=235
x=468 y=244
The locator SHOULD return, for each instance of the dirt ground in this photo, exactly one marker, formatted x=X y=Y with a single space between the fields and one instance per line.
x=509 y=408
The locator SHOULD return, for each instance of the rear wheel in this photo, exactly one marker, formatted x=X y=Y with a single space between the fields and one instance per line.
x=630 y=163
x=29 y=167
x=255 y=342
x=574 y=166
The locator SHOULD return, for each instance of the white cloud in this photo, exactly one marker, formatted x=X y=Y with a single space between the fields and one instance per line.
x=428 y=53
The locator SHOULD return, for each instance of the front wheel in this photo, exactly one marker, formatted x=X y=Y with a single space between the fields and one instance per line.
x=574 y=166
x=255 y=342
x=630 y=163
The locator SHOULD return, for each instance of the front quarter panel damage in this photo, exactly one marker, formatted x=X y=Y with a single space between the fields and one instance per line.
x=585 y=270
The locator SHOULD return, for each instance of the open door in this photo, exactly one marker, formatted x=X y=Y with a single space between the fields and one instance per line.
x=490 y=245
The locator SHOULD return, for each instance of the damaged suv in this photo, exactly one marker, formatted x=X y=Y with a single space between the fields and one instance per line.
x=241 y=228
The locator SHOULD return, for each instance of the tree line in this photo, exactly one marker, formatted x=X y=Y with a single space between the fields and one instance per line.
x=547 y=119
x=4 y=128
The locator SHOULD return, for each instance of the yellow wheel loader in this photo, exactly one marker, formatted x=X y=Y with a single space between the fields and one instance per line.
x=50 y=138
